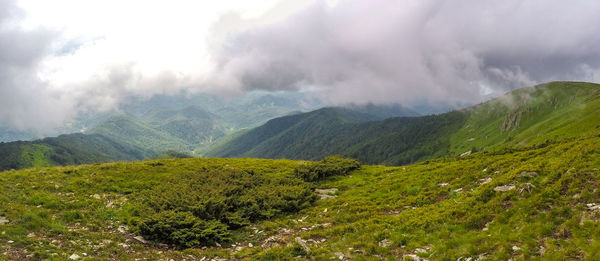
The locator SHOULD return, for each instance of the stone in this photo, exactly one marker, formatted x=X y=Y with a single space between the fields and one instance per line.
x=326 y=193
x=4 y=220
x=467 y=153
x=485 y=180
x=504 y=188
x=74 y=257
x=303 y=244
x=528 y=174
x=339 y=255
x=141 y=239
x=385 y=243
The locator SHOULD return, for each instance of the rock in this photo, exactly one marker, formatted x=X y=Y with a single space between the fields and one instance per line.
x=504 y=188
x=467 y=153
x=485 y=180
x=4 y=220
x=420 y=250
x=414 y=257
x=239 y=248
x=516 y=248
x=74 y=257
x=10 y=241
x=385 y=243
x=458 y=190
x=443 y=184
x=122 y=229
x=96 y=196
x=339 y=255
x=250 y=245
x=592 y=206
x=303 y=244
x=528 y=174
x=141 y=239
x=487 y=226
x=542 y=250
x=326 y=193
x=31 y=235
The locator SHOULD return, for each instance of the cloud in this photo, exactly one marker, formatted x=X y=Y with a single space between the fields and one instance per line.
x=426 y=54
x=25 y=102
x=451 y=52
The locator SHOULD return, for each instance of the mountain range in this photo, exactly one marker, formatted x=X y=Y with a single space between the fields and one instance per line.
x=530 y=116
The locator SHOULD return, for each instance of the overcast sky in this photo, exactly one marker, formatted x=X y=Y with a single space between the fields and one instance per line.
x=63 y=57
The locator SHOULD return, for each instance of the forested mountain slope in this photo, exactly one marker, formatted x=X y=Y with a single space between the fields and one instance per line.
x=527 y=116
x=66 y=150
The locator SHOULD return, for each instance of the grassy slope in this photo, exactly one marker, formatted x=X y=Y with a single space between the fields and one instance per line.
x=521 y=118
x=442 y=207
x=546 y=112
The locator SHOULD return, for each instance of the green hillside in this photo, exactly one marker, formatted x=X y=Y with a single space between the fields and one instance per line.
x=530 y=203
x=127 y=130
x=290 y=131
x=66 y=150
x=524 y=117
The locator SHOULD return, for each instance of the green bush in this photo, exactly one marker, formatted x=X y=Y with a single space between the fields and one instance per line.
x=329 y=166
x=183 y=229
x=229 y=196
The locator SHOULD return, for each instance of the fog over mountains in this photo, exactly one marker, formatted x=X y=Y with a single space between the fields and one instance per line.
x=63 y=59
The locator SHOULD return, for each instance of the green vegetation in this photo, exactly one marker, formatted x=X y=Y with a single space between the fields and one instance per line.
x=536 y=202
x=205 y=204
x=528 y=191
x=66 y=150
x=328 y=167
x=519 y=119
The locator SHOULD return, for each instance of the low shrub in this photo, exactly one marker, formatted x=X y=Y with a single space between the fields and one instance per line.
x=329 y=166
x=183 y=208
x=183 y=229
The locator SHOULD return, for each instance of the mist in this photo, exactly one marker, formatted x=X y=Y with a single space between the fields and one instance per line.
x=421 y=54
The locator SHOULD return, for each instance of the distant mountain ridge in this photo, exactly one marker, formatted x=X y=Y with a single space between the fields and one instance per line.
x=524 y=117
x=69 y=149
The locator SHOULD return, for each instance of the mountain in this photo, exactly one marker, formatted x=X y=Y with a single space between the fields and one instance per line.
x=528 y=203
x=66 y=150
x=525 y=117
x=191 y=123
x=290 y=134
x=125 y=129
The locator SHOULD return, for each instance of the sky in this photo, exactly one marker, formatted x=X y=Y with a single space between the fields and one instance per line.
x=62 y=58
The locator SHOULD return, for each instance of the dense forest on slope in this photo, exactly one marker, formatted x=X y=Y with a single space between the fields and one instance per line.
x=532 y=202
x=66 y=150
x=527 y=116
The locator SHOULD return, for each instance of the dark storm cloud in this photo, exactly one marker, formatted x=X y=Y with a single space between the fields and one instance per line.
x=452 y=52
